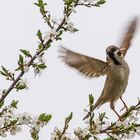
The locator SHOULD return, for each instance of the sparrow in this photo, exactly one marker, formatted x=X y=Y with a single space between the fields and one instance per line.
x=115 y=68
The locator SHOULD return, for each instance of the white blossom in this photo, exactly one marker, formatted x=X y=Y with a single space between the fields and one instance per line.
x=56 y=20
x=117 y=137
x=25 y=66
x=75 y=138
x=41 y=59
x=131 y=117
x=1 y=121
x=37 y=128
x=138 y=131
x=98 y=124
x=85 y=132
x=3 y=135
x=118 y=123
x=125 y=123
x=24 y=118
x=26 y=69
x=80 y=1
x=18 y=129
x=89 y=1
x=136 y=119
x=127 y=136
x=78 y=130
x=66 y=18
x=51 y=34
x=132 y=134
x=13 y=132
x=138 y=112
x=70 y=27
x=87 y=122
x=73 y=8
x=98 y=127
x=34 y=121
x=91 y=138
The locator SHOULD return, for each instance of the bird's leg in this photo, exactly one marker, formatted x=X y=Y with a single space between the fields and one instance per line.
x=125 y=106
x=113 y=108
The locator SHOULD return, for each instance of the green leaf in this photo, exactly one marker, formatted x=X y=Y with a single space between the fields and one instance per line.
x=91 y=99
x=67 y=120
x=101 y=2
x=108 y=138
x=26 y=53
x=5 y=71
x=1 y=104
x=17 y=69
x=36 y=4
x=13 y=122
x=40 y=2
x=97 y=5
x=102 y=116
x=20 y=86
x=68 y=2
x=14 y=104
x=39 y=34
x=40 y=46
x=2 y=73
x=21 y=59
x=44 y=117
x=42 y=66
x=34 y=135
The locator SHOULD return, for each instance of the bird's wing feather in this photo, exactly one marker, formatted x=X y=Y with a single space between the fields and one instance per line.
x=88 y=66
x=126 y=41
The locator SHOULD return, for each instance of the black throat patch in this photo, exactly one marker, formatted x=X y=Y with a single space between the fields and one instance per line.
x=116 y=62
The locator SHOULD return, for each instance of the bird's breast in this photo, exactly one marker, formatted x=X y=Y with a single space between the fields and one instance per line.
x=116 y=82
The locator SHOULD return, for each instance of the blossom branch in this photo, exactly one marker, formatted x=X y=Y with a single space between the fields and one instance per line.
x=45 y=46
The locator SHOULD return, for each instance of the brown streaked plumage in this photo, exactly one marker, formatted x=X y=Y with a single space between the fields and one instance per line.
x=115 y=68
x=128 y=36
x=90 y=67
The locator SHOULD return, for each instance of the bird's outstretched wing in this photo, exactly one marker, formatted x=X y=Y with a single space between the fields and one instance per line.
x=88 y=66
x=126 y=41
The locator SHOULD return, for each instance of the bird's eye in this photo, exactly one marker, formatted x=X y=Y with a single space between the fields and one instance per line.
x=119 y=53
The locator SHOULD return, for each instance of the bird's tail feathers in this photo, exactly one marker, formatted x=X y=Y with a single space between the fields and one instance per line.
x=98 y=103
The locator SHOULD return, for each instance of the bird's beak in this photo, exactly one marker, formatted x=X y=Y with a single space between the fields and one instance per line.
x=122 y=50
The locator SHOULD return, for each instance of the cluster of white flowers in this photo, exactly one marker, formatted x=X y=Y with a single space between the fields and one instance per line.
x=11 y=122
x=69 y=25
x=36 y=125
x=39 y=61
x=8 y=122
x=125 y=124
x=72 y=7
x=51 y=34
x=58 y=133
x=82 y=131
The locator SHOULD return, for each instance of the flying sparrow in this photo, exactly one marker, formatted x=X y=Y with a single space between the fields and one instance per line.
x=115 y=68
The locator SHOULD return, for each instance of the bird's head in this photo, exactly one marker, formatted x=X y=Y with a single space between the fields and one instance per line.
x=114 y=54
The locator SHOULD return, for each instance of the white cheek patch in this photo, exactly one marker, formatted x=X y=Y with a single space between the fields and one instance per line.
x=116 y=54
